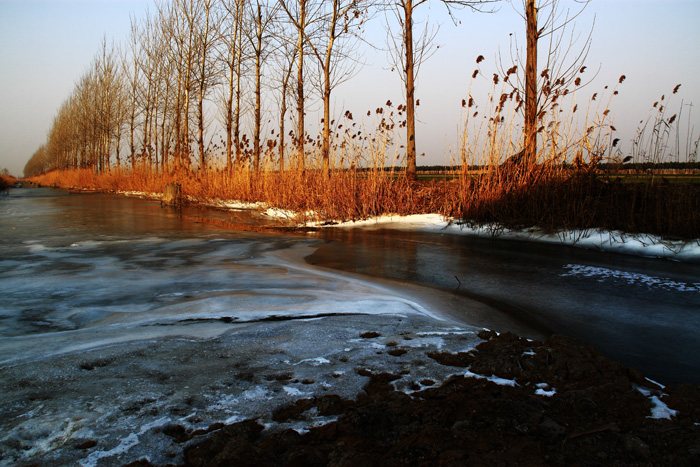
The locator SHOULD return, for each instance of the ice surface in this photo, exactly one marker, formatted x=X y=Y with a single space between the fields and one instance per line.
x=109 y=340
x=108 y=343
x=604 y=274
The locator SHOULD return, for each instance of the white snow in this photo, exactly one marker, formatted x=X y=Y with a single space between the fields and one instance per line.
x=614 y=241
x=139 y=194
x=292 y=391
x=492 y=378
x=544 y=389
x=658 y=408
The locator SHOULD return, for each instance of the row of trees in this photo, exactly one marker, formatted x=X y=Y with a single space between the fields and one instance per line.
x=154 y=101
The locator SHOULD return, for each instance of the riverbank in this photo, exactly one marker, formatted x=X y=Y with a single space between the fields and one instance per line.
x=428 y=210
x=547 y=198
x=511 y=401
x=6 y=182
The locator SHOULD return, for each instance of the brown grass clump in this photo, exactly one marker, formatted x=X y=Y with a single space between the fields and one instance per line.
x=6 y=182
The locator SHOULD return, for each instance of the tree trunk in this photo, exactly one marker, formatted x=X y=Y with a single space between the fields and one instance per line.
x=530 y=136
x=326 y=143
x=300 y=86
x=229 y=120
x=283 y=111
x=258 y=64
x=410 y=89
x=237 y=115
x=203 y=54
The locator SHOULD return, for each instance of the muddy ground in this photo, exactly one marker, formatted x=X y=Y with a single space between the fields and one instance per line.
x=571 y=406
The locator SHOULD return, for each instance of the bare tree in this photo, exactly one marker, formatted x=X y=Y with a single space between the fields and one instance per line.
x=259 y=36
x=179 y=22
x=564 y=64
x=411 y=58
x=340 y=24
x=285 y=59
x=107 y=117
x=303 y=14
x=148 y=62
x=232 y=57
x=206 y=78
x=131 y=68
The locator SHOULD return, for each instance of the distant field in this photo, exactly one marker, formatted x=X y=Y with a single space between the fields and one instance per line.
x=644 y=178
x=624 y=177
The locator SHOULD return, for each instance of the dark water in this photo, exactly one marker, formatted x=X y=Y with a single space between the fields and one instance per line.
x=643 y=312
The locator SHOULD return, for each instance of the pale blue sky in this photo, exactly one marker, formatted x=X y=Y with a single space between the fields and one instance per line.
x=45 y=46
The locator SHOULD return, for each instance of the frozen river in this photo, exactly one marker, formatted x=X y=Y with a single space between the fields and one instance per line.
x=123 y=322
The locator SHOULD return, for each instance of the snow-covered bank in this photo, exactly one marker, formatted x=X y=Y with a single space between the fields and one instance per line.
x=612 y=241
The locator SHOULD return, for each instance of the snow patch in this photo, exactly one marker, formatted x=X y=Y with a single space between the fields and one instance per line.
x=493 y=379
x=659 y=409
x=544 y=389
x=291 y=391
x=139 y=194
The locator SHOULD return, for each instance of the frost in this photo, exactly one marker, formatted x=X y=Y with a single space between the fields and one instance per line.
x=316 y=361
x=124 y=446
x=291 y=391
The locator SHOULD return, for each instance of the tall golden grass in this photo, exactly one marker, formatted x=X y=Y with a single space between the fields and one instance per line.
x=548 y=198
x=340 y=195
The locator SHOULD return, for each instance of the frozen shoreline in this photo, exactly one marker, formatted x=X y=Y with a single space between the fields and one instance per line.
x=637 y=244
x=611 y=241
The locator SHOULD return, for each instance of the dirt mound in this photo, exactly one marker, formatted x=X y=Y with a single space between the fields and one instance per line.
x=521 y=402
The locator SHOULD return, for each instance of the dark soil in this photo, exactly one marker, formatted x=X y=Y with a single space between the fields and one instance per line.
x=596 y=417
